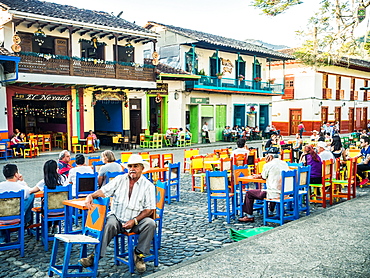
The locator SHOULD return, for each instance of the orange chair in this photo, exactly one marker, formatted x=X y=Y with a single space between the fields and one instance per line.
x=40 y=142
x=144 y=155
x=47 y=142
x=89 y=147
x=240 y=160
x=166 y=159
x=323 y=191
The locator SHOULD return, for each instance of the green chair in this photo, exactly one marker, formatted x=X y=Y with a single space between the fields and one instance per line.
x=143 y=142
x=154 y=142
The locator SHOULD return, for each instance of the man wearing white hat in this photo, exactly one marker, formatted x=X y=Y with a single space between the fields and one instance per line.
x=132 y=205
x=315 y=136
x=323 y=152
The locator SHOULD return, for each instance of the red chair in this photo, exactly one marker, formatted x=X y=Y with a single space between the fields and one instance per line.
x=89 y=147
x=323 y=191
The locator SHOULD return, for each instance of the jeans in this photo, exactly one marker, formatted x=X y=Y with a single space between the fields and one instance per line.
x=97 y=143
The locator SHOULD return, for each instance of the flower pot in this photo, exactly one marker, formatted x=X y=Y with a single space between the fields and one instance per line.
x=240 y=79
x=219 y=76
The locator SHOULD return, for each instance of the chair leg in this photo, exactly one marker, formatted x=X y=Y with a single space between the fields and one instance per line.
x=53 y=257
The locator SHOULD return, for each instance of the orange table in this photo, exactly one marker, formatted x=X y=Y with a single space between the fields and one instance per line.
x=151 y=171
x=239 y=189
x=39 y=194
x=78 y=204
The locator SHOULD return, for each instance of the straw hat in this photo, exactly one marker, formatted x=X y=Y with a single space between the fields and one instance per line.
x=137 y=159
x=321 y=144
x=313 y=131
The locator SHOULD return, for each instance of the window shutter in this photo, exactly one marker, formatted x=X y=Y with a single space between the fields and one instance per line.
x=339 y=94
x=326 y=93
x=61 y=47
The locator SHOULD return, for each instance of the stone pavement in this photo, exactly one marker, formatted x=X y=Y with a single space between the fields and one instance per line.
x=193 y=247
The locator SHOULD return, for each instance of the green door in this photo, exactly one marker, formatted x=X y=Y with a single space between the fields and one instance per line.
x=194 y=125
x=220 y=121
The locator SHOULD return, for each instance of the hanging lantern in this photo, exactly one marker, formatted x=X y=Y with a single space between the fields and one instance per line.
x=39 y=37
x=361 y=13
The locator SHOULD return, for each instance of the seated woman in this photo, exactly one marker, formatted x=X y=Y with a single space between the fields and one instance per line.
x=51 y=180
x=336 y=146
x=310 y=157
x=96 y=141
x=110 y=165
x=15 y=144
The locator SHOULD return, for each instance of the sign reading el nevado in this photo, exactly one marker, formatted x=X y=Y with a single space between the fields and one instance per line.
x=199 y=100
x=43 y=97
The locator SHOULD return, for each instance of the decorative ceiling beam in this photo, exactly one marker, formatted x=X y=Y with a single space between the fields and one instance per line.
x=29 y=25
x=44 y=25
x=123 y=38
x=94 y=34
x=84 y=32
x=52 y=28
x=104 y=35
x=63 y=30
x=139 y=40
x=145 y=42
x=19 y=22
x=111 y=37
x=75 y=30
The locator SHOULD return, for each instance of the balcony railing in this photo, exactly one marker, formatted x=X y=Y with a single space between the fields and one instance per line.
x=234 y=85
x=76 y=67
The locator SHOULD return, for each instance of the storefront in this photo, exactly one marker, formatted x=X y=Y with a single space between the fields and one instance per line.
x=38 y=109
x=157 y=108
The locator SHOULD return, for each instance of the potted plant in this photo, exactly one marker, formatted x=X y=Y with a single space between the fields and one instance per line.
x=240 y=77
x=257 y=79
x=219 y=75
x=271 y=80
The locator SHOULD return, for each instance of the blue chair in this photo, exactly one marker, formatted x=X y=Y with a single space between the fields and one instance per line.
x=218 y=189
x=12 y=217
x=96 y=166
x=85 y=184
x=111 y=175
x=173 y=181
x=302 y=189
x=92 y=234
x=129 y=240
x=294 y=164
x=53 y=210
x=285 y=204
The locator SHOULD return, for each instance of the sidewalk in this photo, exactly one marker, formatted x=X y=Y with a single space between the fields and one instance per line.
x=333 y=243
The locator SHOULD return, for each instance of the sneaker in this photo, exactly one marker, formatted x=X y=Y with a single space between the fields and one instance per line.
x=139 y=262
x=87 y=262
x=364 y=181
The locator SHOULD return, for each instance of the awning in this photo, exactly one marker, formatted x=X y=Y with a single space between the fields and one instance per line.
x=10 y=65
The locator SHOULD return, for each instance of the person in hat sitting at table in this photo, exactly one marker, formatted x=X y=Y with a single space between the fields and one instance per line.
x=272 y=174
x=131 y=209
x=315 y=136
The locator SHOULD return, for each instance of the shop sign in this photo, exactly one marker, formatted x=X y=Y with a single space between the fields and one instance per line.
x=162 y=88
x=199 y=100
x=42 y=97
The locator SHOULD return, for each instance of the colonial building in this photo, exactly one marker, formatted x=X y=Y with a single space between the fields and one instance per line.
x=234 y=85
x=79 y=70
x=325 y=94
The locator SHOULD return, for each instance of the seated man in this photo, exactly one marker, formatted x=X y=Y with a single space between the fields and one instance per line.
x=131 y=210
x=242 y=148
x=272 y=174
x=81 y=168
x=365 y=155
x=63 y=163
x=323 y=151
x=170 y=137
x=227 y=134
x=15 y=183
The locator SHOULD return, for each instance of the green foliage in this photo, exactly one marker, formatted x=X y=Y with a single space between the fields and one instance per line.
x=202 y=72
x=275 y=7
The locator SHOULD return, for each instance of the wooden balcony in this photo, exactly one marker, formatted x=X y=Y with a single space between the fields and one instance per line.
x=229 y=85
x=326 y=93
x=74 y=67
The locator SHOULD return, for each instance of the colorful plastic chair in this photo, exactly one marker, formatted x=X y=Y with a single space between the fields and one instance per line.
x=240 y=188
x=323 y=191
x=187 y=155
x=111 y=175
x=302 y=189
x=350 y=182
x=92 y=234
x=217 y=190
x=173 y=182
x=12 y=217
x=285 y=204
x=76 y=147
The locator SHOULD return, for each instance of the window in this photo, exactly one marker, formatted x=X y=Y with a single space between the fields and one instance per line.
x=190 y=58
x=125 y=53
x=240 y=68
x=215 y=65
x=89 y=49
x=256 y=69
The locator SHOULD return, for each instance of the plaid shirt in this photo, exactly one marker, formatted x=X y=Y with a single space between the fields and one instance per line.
x=142 y=197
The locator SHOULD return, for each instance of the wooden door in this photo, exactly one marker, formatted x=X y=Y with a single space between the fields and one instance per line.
x=364 y=118
x=295 y=116
x=220 y=121
x=61 y=47
x=351 y=113
x=358 y=122
x=135 y=116
x=324 y=114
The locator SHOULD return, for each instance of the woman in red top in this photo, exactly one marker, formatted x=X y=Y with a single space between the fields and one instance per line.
x=301 y=129
x=96 y=141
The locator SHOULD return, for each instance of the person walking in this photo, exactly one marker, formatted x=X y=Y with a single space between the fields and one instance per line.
x=301 y=129
x=206 y=132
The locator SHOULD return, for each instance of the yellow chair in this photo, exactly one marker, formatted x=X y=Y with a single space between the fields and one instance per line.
x=76 y=147
x=321 y=191
x=125 y=156
x=89 y=147
x=154 y=142
x=40 y=142
x=32 y=150
x=350 y=182
x=187 y=155
x=144 y=155
x=197 y=170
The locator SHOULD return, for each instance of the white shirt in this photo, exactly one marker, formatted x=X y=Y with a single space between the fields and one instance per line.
x=272 y=174
x=15 y=186
x=326 y=155
x=205 y=128
x=142 y=197
x=239 y=151
x=63 y=181
x=73 y=173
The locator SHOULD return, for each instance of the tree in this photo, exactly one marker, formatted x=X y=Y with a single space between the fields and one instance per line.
x=330 y=33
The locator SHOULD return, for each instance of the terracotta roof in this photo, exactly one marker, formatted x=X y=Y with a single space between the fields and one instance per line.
x=163 y=68
x=71 y=13
x=222 y=41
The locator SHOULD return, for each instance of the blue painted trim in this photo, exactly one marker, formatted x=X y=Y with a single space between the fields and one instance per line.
x=14 y=59
x=237 y=89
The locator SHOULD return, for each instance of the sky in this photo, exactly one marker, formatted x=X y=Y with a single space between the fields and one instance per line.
x=235 y=19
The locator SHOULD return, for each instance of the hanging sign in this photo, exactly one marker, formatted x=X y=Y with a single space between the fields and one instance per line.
x=162 y=88
x=199 y=100
x=42 y=97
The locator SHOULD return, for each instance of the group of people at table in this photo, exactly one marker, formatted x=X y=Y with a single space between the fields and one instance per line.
x=132 y=205
x=18 y=140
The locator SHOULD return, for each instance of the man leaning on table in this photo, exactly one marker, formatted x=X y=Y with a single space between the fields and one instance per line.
x=272 y=174
x=131 y=209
